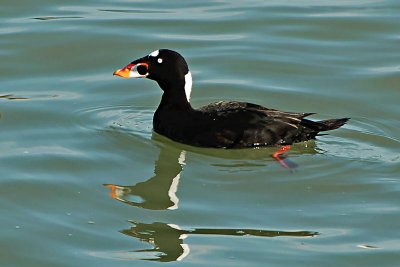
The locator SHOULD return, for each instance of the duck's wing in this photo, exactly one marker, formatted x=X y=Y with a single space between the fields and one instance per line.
x=222 y=106
x=241 y=124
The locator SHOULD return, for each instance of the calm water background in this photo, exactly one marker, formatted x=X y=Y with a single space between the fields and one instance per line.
x=85 y=182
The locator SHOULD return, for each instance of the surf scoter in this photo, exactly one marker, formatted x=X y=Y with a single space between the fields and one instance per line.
x=224 y=124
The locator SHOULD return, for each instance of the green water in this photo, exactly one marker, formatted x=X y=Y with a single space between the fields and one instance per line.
x=85 y=182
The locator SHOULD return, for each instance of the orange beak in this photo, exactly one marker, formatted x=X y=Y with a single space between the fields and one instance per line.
x=132 y=70
x=124 y=73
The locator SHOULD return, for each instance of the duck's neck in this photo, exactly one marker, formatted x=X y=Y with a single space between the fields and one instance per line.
x=174 y=101
x=176 y=95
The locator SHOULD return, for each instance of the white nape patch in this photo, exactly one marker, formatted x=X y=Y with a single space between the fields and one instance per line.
x=182 y=158
x=188 y=85
x=186 y=251
x=175 y=182
x=172 y=192
x=159 y=60
x=154 y=53
x=185 y=247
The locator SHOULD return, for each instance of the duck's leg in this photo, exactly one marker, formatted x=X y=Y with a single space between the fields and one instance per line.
x=285 y=163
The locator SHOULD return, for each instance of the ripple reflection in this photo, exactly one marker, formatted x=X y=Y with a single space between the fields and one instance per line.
x=168 y=239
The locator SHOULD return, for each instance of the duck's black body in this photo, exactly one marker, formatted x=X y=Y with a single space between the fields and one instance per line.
x=237 y=125
x=222 y=124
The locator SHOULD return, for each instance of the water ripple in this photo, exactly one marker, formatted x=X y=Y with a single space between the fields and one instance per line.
x=362 y=139
x=134 y=120
x=57 y=17
x=140 y=11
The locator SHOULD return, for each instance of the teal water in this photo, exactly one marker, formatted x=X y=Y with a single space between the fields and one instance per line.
x=85 y=182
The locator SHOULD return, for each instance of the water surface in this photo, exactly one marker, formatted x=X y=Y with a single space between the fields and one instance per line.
x=85 y=181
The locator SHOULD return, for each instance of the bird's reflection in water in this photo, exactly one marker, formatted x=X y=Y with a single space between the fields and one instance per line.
x=158 y=192
x=168 y=239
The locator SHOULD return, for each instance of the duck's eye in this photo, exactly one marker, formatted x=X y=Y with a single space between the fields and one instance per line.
x=142 y=69
x=159 y=60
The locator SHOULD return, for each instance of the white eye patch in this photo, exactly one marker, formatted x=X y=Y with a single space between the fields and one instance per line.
x=159 y=60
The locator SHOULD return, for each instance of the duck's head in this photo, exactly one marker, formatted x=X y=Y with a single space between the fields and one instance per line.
x=168 y=68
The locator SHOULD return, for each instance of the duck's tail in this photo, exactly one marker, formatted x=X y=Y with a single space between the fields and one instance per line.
x=325 y=125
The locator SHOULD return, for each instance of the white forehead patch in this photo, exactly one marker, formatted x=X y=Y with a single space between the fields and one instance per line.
x=154 y=53
x=188 y=85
